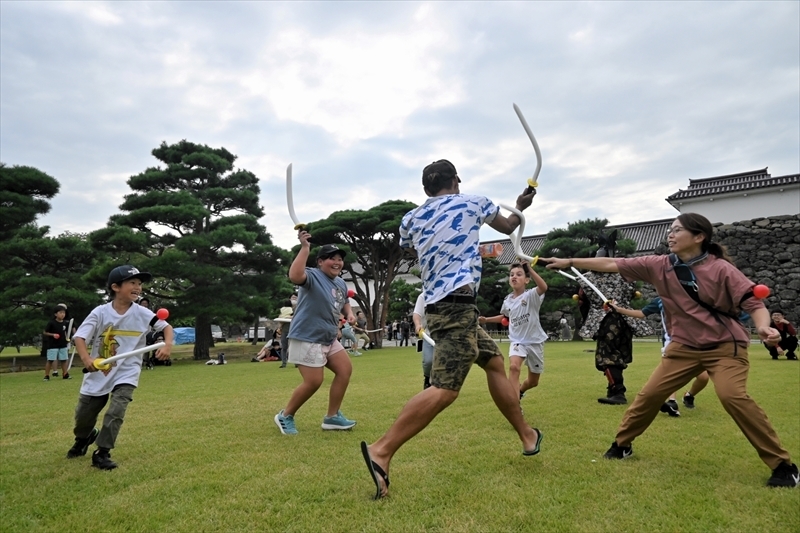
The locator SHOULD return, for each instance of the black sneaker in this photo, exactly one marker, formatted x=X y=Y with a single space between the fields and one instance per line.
x=688 y=401
x=785 y=475
x=617 y=399
x=101 y=459
x=47 y=378
x=55 y=374
x=618 y=452
x=81 y=446
x=67 y=376
x=671 y=408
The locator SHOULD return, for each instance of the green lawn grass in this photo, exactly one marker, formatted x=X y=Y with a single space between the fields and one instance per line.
x=199 y=452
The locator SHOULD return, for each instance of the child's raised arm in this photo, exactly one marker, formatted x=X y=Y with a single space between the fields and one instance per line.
x=541 y=284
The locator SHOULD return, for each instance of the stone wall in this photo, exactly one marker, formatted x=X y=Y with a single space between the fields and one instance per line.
x=767 y=250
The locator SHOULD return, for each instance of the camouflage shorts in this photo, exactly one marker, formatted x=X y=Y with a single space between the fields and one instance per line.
x=460 y=342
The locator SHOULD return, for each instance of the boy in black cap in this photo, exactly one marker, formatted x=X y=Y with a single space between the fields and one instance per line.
x=313 y=343
x=56 y=331
x=116 y=327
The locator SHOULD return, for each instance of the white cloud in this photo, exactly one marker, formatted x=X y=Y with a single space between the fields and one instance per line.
x=100 y=13
x=352 y=83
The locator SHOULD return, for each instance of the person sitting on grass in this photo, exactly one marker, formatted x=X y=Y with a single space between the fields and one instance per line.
x=270 y=352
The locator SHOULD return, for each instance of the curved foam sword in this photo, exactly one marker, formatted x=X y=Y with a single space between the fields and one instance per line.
x=290 y=201
x=532 y=183
x=516 y=238
x=592 y=285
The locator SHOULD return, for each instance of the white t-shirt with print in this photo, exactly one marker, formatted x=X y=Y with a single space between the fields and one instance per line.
x=523 y=317
x=110 y=333
x=445 y=232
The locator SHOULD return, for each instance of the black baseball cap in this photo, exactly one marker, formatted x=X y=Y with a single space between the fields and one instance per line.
x=327 y=250
x=125 y=272
x=439 y=171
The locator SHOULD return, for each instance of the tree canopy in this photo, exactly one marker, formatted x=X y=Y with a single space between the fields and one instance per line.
x=580 y=239
x=193 y=223
x=24 y=195
x=37 y=271
x=374 y=258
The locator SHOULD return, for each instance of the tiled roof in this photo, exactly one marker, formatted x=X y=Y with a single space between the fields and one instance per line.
x=647 y=236
x=742 y=182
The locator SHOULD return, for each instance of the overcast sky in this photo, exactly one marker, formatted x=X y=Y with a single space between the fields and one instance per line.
x=628 y=100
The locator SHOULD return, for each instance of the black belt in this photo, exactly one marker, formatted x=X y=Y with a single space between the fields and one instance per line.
x=451 y=299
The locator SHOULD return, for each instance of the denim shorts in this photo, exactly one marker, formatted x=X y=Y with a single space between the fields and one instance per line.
x=56 y=354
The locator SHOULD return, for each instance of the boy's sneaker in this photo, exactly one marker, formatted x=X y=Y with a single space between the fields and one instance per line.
x=67 y=376
x=786 y=475
x=618 y=452
x=688 y=401
x=81 y=446
x=671 y=408
x=101 y=459
x=338 y=421
x=47 y=378
x=55 y=374
x=285 y=423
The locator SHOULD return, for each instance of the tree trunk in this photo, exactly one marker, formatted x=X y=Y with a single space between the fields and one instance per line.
x=254 y=340
x=202 y=337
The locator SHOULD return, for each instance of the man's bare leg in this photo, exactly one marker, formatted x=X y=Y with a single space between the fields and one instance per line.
x=507 y=401
x=414 y=417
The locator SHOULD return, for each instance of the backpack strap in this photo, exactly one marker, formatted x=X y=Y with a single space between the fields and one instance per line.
x=685 y=275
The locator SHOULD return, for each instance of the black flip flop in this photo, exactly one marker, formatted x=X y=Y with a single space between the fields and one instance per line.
x=539 y=437
x=375 y=470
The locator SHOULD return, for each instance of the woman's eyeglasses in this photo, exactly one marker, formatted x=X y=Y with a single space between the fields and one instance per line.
x=675 y=230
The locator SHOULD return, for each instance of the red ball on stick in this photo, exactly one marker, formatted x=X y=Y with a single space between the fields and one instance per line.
x=504 y=321
x=162 y=314
x=350 y=293
x=760 y=291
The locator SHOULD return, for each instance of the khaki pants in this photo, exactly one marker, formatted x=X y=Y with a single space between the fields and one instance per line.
x=729 y=374
x=89 y=408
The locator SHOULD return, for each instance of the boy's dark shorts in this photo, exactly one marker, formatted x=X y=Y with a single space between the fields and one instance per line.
x=460 y=342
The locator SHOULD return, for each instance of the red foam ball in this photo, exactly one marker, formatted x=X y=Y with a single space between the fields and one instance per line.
x=760 y=291
x=56 y=336
x=504 y=321
x=350 y=293
x=162 y=314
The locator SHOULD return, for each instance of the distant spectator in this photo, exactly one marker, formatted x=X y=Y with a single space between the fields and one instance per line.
x=405 y=331
x=788 y=343
x=270 y=352
x=360 y=329
x=566 y=333
x=56 y=334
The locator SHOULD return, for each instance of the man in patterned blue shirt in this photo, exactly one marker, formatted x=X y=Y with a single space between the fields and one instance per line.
x=444 y=233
